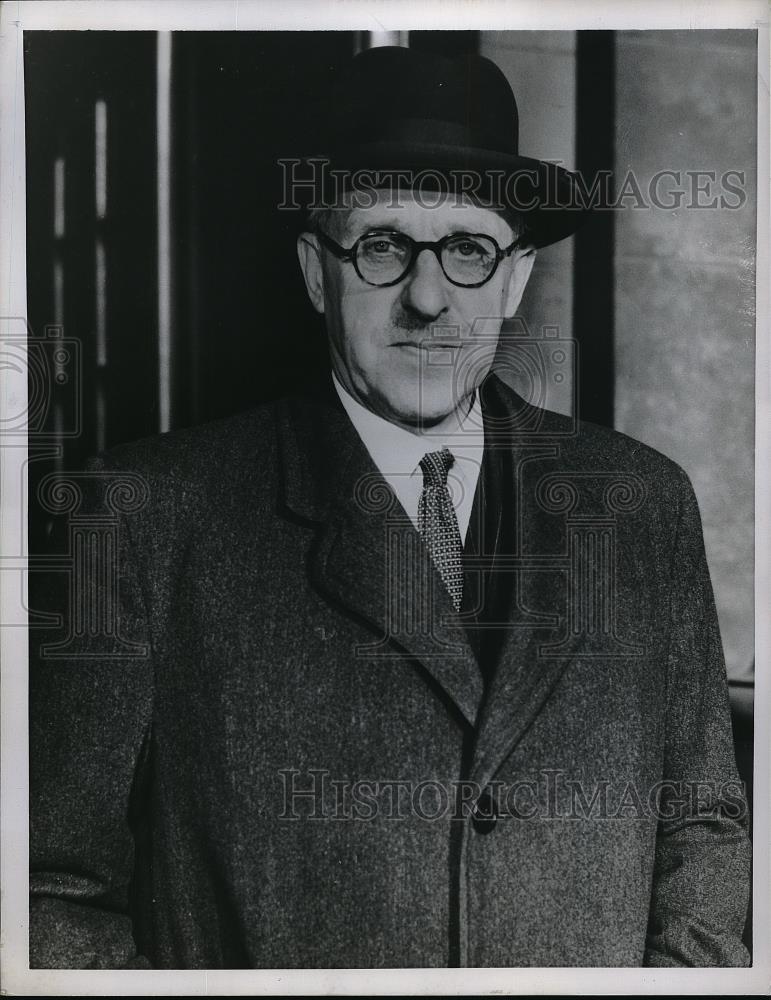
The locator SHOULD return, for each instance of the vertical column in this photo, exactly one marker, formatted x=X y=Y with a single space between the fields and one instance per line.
x=590 y=608
x=594 y=277
x=165 y=270
x=591 y=527
x=59 y=232
x=94 y=504
x=100 y=211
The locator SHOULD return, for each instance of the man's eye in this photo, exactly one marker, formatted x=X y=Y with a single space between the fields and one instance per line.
x=382 y=246
x=470 y=248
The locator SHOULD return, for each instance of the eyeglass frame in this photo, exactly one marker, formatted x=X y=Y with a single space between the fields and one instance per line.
x=418 y=246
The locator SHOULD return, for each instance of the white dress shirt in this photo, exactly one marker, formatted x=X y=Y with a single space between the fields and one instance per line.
x=397 y=453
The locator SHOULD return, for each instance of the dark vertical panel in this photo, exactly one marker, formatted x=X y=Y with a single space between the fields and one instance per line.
x=132 y=318
x=593 y=299
x=66 y=73
x=58 y=128
x=246 y=331
x=187 y=334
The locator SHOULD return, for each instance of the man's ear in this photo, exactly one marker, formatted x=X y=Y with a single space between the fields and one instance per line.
x=520 y=275
x=309 y=255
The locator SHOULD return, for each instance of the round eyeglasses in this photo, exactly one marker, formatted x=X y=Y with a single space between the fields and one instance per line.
x=384 y=257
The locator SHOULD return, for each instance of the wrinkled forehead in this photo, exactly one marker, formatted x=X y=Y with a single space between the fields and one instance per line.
x=427 y=215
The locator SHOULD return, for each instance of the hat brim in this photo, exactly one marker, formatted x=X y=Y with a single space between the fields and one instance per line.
x=547 y=195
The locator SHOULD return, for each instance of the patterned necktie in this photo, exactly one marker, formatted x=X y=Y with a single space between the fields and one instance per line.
x=438 y=523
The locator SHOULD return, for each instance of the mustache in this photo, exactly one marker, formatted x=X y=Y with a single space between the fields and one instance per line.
x=412 y=322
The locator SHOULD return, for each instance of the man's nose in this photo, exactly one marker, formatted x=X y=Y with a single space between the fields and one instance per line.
x=425 y=287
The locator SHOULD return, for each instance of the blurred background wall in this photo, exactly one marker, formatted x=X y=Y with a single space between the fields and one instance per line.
x=155 y=245
x=685 y=291
x=678 y=318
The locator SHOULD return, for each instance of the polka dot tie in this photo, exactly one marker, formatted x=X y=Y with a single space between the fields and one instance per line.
x=438 y=523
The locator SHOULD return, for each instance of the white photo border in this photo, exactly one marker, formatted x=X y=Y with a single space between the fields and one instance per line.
x=365 y=15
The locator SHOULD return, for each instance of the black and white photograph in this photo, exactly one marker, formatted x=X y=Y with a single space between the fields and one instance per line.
x=385 y=499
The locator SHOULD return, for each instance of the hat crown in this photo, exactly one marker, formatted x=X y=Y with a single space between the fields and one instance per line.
x=403 y=118
x=391 y=92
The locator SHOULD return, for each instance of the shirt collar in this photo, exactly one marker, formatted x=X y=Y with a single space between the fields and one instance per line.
x=397 y=451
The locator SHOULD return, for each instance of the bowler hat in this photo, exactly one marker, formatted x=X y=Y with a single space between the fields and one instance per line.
x=422 y=120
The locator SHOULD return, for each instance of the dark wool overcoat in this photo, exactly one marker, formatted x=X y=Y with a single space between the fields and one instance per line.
x=263 y=737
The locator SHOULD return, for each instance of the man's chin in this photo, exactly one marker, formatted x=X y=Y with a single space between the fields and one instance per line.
x=424 y=412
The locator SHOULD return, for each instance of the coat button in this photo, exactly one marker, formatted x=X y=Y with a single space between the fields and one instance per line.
x=485 y=813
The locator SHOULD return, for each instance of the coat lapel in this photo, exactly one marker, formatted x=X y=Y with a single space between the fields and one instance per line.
x=368 y=559
x=526 y=673
x=520 y=687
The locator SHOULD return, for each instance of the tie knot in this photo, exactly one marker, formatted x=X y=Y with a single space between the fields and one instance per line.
x=435 y=466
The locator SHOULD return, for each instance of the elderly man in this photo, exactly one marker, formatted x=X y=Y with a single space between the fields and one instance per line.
x=406 y=671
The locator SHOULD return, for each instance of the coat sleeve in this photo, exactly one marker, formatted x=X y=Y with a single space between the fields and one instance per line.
x=90 y=712
x=702 y=862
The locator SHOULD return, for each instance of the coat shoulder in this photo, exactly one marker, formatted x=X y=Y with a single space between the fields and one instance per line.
x=201 y=454
x=591 y=447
